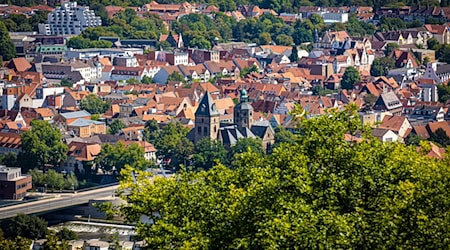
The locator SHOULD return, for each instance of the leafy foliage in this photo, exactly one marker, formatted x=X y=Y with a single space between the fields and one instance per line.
x=116 y=126
x=7 y=49
x=391 y=47
x=320 y=191
x=42 y=145
x=113 y=158
x=247 y=145
x=53 y=179
x=94 y=105
x=208 y=153
x=440 y=137
x=66 y=234
x=27 y=226
x=443 y=93
x=350 y=78
x=176 y=77
x=170 y=142
x=381 y=66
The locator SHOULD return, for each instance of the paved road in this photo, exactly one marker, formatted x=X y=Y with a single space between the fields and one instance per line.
x=65 y=200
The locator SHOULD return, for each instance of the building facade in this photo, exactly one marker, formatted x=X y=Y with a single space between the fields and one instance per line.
x=13 y=185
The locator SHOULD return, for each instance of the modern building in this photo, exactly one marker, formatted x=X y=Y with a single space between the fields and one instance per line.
x=13 y=185
x=69 y=19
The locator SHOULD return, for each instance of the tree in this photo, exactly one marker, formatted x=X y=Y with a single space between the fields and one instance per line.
x=42 y=145
x=53 y=179
x=247 y=70
x=7 y=49
x=27 y=226
x=440 y=137
x=390 y=47
x=381 y=66
x=66 y=83
x=113 y=158
x=350 y=78
x=443 y=93
x=78 y=42
x=66 y=234
x=9 y=160
x=247 y=144
x=320 y=191
x=94 y=105
x=170 y=141
x=147 y=80
x=369 y=100
x=265 y=38
x=283 y=136
x=284 y=39
x=413 y=139
x=176 y=77
x=116 y=126
x=294 y=55
x=207 y=153
x=433 y=43
x=53 y=242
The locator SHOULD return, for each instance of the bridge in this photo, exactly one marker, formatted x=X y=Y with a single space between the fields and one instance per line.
x=63 y=201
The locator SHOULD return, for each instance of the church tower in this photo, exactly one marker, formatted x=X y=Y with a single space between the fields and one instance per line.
x=243 y=112
x=207 y=119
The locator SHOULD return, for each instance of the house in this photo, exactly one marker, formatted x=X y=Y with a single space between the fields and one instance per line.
x=85 y=127
x=398 y=124
x=424 y=112
x=388 y=101
x=63 y=119
x=121 y=73
x=79 y=154
x=19 y=64
x=385 y=135
x=132 y=133
x=13 y=184
x=440 y=32
x=10 y=142
x=197 y=72
x=404 y=59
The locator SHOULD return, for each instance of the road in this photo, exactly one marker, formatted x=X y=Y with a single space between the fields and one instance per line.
x=65 y=200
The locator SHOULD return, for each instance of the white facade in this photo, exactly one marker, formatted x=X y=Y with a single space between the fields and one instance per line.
x=330 y=18
x=69 y=19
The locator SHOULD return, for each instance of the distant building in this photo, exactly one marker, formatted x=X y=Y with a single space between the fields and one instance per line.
x=69 y=19
x=13 y=185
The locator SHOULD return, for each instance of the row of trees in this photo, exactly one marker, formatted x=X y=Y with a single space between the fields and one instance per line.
x=53 y=180
x=317 y=191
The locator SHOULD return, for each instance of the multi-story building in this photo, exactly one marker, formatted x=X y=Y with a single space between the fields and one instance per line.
x=13 y=185
x=69 y=19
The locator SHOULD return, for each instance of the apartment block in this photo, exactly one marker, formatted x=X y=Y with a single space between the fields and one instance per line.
x=69 y=19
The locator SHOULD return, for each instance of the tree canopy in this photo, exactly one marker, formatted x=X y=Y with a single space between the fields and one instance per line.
x=381 y=66
x=42 y=145
x=94 y=105
x=27 y=226
x=7 y=49
x=113 y=158
x=350 y=78
x=319 y=191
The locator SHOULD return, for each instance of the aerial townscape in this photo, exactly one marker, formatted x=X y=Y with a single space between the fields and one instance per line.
x=274 y=124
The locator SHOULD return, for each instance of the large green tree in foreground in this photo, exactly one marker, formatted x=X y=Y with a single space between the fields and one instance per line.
x=317 y=192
